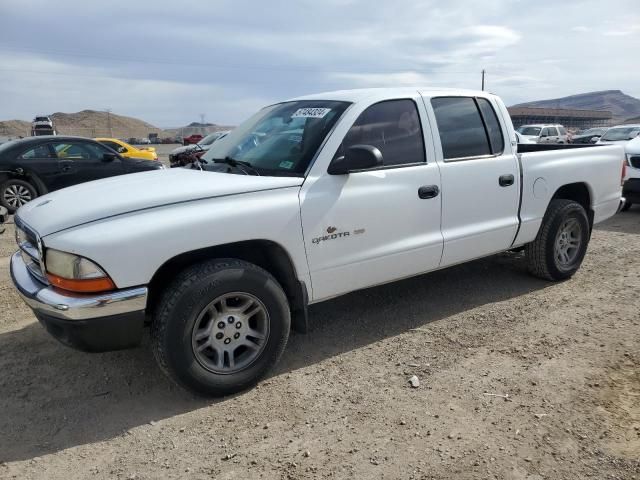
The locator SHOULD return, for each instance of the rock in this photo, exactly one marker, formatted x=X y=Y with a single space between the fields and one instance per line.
x=306 y=454
x=414 y=381
x=181 y=429
x=402 y=422
x=229 y=456
x=451 y=436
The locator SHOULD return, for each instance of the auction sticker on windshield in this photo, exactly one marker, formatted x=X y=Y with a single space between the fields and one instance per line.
x=310 y=113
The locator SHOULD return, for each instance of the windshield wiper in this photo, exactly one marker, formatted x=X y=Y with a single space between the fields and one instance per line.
x=243 y=166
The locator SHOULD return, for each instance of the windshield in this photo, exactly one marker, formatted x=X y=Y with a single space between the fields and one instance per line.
x=209 y=139
x=533 y=131
x=593 y=131
x=281 y=139
x=622 y=133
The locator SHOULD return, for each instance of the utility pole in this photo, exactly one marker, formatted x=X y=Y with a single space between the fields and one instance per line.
x=483 y=72
x=108 y=110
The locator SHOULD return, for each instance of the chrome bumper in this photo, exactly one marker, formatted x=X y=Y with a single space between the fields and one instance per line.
x=48 y=301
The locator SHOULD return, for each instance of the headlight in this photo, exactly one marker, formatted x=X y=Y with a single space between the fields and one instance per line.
x=75 y=273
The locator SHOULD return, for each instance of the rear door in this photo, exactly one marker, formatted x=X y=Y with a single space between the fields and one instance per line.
x=374 y=226
x=480 y=181
x=41 y=162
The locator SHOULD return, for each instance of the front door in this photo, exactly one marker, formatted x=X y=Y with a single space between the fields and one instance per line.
x=82 y=161
x=370 y=227
x=480 y=179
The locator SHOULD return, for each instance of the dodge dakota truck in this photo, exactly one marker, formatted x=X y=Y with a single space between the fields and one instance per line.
x=308 y=199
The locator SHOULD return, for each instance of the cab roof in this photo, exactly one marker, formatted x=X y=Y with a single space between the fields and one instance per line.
x=369 y=94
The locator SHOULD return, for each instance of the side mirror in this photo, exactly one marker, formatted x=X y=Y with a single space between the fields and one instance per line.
x=357 y=157
x=122 y=149
x=594 y=139
x=109 y=157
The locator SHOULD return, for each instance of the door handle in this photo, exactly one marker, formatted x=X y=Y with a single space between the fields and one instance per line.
x=506 y=180
x=428 y=191
x=66 y=168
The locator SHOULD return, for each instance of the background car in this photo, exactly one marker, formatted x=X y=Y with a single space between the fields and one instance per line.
x=129 y=151
x=591 y=135
x=199 y=148
x=544 y=133
x=192 y=139
x=631 y=186
x=620 y=134
x=523 y=139
x=37 y=165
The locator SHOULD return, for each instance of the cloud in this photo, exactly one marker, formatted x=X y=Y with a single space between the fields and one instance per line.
x=166 y=63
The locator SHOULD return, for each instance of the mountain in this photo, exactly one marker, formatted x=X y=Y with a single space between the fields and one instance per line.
x=87 y=123
x=621 y=105
x=196 y=128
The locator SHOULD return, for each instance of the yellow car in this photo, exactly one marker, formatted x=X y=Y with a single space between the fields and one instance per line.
x=129 y=151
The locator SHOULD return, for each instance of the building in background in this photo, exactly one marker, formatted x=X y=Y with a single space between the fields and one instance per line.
x=568 y=117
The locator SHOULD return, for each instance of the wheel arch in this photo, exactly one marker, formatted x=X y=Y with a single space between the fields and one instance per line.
x=267 y=254
x=580 y=193
x=25 y=176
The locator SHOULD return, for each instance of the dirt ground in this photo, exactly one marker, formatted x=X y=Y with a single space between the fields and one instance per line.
x=519 y=379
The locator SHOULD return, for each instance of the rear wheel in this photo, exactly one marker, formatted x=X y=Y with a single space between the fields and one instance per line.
x=220 y=327
x=14 y=193
x=561 y=243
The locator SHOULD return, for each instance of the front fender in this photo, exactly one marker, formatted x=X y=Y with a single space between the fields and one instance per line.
x=132 y=247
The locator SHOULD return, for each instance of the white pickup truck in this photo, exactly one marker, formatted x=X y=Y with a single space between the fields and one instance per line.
x=307 y=200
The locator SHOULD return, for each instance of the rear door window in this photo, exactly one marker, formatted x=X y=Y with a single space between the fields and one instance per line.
x=462 y=131
x=40 y=151
x=494 y=130
x=553 y=132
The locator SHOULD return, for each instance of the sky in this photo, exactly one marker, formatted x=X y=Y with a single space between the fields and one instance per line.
x=169 y=62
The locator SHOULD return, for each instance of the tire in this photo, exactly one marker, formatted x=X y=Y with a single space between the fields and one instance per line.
x=14 y=193
x=199 y=306
x=545 y=257
x=626 y=206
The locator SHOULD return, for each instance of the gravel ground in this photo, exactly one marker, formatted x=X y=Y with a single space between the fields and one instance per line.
x=519 y=379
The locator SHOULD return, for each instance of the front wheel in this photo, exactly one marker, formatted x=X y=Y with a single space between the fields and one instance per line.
x=220 y=327
x=561 y=243
x=626 y=206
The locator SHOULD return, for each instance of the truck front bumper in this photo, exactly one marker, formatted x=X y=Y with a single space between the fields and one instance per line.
x=93 y=323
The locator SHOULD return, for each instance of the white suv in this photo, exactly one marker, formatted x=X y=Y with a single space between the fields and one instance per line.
x=544 y=133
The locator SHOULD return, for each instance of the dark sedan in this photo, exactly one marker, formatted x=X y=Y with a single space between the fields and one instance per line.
x=591 y=135
x=33 y=166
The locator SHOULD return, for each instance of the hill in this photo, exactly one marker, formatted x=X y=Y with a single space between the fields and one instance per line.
x=87 y=123
x=196 y=128
x=621 y=105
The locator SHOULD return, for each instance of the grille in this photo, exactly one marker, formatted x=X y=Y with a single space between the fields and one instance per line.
x=634 y=161
x=30 y=249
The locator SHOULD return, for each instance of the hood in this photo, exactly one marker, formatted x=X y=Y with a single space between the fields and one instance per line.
x=530 y=137
x=96 y=200
x=187 y=148
x=633 y=147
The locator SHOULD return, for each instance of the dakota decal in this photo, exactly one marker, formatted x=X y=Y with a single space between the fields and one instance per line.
x=333 y=235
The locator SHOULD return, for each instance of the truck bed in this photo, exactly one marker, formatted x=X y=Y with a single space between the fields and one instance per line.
x=545 y=147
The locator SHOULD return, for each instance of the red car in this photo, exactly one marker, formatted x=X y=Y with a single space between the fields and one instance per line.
x=192 y=139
